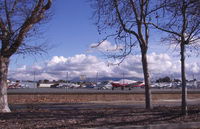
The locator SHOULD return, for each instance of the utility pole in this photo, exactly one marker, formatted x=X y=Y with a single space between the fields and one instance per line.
x=67 y=76
x=67 y=83
x=97 y=79
x=34 y=76
x=123 y=78
x=122 y=87
x=193 y=81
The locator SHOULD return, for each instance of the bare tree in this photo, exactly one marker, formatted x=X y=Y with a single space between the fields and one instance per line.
x=182 y=22
x=129 y=21
x=19 y=20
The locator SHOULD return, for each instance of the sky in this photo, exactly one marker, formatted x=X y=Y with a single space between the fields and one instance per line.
x=71 y=32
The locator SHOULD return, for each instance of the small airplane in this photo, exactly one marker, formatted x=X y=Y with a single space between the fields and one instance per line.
x=104 y=85
x=13 y=84
x=127 y=85
x=136 y=84
x=90 y=85
x=116 y=85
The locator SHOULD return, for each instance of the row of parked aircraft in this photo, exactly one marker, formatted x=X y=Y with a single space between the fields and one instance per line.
x=124 y=83
x=103 y=85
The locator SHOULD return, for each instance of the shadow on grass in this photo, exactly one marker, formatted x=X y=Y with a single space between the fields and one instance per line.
x=37 y=116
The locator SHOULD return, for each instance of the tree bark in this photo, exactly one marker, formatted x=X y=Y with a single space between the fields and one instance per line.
x=4 y=62
x=183 y=77
x=182 y=45
x=148 y=97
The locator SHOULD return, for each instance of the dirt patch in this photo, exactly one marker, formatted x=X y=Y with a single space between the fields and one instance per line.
x=78 y=97
x=60 y=116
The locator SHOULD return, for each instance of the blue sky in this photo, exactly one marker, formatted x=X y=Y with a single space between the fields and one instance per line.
x=72 y=28
x=71 y=32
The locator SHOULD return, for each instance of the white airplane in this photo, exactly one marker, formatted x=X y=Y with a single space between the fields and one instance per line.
x=104 y=85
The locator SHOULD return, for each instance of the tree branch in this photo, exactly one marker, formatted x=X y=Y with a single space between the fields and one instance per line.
x=135 y=11
x=172 y=32
x=14 y=6
x=3 y=27
x=28 y=24
x=122 y=22
x=139 y=22
x=103 y=40
x=8 y=18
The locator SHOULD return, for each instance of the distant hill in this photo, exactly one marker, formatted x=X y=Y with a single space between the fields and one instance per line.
x=106 y=79
x=77 y=79
x=11 y=79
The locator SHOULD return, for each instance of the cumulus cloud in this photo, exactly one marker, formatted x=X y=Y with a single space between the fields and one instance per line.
x=58 y=66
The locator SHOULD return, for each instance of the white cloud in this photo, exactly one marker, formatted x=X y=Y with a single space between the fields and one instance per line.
x=58 y=67
x=159 y=63
x=56 y=60
x=105 y=46
x=193 y=68
x=23 y=68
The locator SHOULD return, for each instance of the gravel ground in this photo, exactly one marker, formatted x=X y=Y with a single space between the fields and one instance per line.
x=58 y=116
x=93 y=90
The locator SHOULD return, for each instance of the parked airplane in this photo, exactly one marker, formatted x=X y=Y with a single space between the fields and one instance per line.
x=13 y=85
x=90 y=85
x=128 y=84
x=104 y=85
x=136 y=84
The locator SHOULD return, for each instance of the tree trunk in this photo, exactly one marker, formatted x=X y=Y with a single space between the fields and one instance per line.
x=4 y=62
x=184 y=88
x=146 y=80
